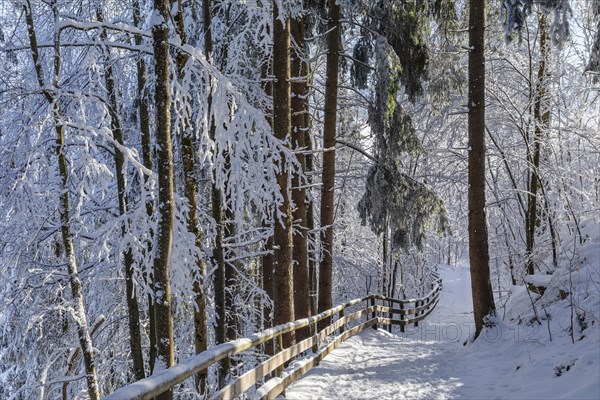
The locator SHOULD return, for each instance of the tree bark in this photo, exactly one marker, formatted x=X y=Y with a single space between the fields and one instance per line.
x=483 y=299
x=310 y=226
x=282 y=240
x=144 y=116
x=267 y=259
x=267 y=285
x=190 y=188
x=217 y=213
x=164 y=231
x=299 y=110
x=232 y=321
x=219 y=277
x=541 y=116
x=83 y=333
x=384 y=259
x=133 y=311
x=328 y=177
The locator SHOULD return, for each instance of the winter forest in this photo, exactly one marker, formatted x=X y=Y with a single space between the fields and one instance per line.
x=179 y=174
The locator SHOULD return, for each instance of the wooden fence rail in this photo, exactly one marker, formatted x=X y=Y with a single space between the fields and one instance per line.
x=346 y=325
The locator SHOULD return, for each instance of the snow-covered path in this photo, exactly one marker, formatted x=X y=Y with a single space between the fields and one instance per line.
x=378 y=365
x=432 y=362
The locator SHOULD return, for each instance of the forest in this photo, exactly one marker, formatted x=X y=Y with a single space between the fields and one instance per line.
x=179 y=174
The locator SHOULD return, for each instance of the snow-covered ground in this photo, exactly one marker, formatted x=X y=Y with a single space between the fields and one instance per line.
x=435 y=361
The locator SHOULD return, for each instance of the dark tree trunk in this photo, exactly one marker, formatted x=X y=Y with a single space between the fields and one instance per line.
x=384 y=260
x=233 y=321
x=310 y=226
x=219 y=278
x=267 y=259
x=133 y=313
x=217 y=213
x=541 y=116
x=267 y=284
x=147 y=160
x=190 y=185
x=328 y=179
x=164 y=162
x=282 y=240
x=299 y=71
x=483 y=299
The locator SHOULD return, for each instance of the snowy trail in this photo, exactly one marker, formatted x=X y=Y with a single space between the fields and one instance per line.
x=376 y=364
x=432 y=362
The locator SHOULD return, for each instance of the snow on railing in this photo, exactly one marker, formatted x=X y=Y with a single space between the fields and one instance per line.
x=164 y=380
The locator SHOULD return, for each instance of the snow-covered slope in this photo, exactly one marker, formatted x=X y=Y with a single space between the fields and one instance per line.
x=433 y=362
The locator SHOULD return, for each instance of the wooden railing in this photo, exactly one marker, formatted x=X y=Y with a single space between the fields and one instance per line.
x=344 y=325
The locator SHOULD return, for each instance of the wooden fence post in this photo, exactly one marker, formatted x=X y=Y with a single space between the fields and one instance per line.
x=374 y=313
x=390 y=315
x=340 y=316
x=313 y=332
x=401 y=317
x=417 y=303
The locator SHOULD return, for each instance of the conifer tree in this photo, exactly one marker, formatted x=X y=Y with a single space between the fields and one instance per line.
x=299 y=121
x=282 y=240
x=483 y=297
x=328 y=175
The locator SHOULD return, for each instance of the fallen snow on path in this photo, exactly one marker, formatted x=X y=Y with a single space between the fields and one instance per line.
x=435 y=362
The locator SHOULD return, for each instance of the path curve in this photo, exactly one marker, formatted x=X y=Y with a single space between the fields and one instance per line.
x=433 y=362
x=380 y=365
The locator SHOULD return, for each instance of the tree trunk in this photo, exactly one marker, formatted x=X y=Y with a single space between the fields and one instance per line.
x=282 y=240
x=483 y=299
x=267 y=259
x=133 y=311
x=219 y=277
x=132 y=303
x=553 y=233
x=384 y=259
x=267 y=284
x=541 y=116
x=217 y=213
x=164 y=231
x=310 y=226
x=232 y=321
x=299 y=88
x=394 y=279
x=83 y=333
x=328 y=177
x=190 y=185
x=147 y=160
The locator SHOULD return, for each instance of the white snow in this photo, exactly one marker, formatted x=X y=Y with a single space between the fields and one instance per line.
x=436 y=360
x=539 y=279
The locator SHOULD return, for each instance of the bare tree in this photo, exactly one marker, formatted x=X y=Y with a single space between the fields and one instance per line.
x=133 y=312
x=144 y=117
x=164 y=162
x=190 y=189
x=541 y=115
x=85 y=340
